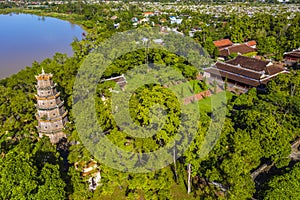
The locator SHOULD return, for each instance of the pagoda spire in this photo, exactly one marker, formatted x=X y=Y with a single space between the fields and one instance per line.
x=51 y=114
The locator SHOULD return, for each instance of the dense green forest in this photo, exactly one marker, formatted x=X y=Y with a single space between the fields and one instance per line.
x=259 y=126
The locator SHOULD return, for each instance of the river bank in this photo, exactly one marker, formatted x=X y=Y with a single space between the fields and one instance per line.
x=72 y=18
x=29 y=37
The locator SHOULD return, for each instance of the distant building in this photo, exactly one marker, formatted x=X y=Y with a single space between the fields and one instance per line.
x=175 y=20
x=116 y=25
x=251 y=43
x=163 y=20
x=51 y=114
x=223 y=43
x=292 y=57
x=89 y=168
x=226 y=47
x=134 y=19
x=91 y=171
x=244 y=71
x=158 y=41
x=295 y=154
x=143 y=20
x=193 y=31
x=239 y=49
x=148 y=14
x=120 y=80
x=114 y=17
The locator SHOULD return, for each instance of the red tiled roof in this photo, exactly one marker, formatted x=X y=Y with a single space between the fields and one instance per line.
x=223 y=43
x=249 y=63
x=251 y=43
x=148 y=13
x=238 y=70
x=274 y=69
x=240 y=48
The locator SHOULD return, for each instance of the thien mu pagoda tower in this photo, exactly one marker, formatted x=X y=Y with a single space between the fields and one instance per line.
x=51 y=114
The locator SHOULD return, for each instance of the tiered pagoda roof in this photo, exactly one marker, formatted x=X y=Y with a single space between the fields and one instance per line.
x=51 y=114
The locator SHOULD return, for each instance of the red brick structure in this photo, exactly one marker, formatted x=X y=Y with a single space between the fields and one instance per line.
x=197 y=97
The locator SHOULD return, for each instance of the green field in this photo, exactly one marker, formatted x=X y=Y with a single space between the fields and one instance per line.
x=214 y=101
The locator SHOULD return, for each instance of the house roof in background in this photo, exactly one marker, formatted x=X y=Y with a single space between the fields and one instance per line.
x=239 y=48
x=251 y=43
x=223 y=43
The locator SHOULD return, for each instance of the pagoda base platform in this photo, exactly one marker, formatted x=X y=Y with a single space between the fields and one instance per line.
x=54 y=137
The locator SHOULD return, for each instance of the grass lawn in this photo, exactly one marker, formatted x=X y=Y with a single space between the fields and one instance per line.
x=187 y=89
x=216 y=100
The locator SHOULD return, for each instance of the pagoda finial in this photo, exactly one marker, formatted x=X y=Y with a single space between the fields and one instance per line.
x=43 y=72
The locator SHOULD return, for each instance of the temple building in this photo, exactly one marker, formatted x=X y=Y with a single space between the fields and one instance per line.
x=51 y=114
x=245 y=72
x=226 y=48
x=240 y=49
x=292 y=57
x=120 y=80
